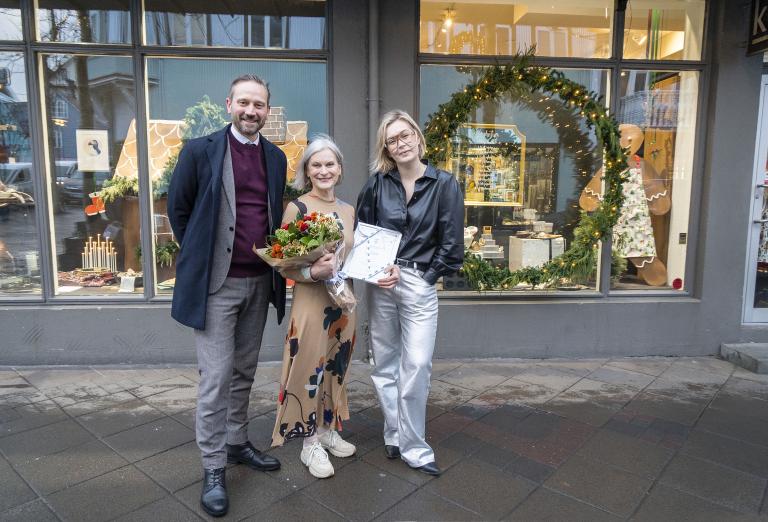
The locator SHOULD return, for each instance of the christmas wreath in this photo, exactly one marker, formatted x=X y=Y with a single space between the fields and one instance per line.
x=578 y=262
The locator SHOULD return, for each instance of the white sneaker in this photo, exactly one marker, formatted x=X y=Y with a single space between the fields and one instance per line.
x=332 y=441
x=316 y=459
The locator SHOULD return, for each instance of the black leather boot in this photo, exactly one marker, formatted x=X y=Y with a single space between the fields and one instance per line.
x=251 y=457
x=214 y=497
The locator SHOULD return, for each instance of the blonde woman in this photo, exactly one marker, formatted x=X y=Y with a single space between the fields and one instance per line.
x=426 y=206
x=320 y=339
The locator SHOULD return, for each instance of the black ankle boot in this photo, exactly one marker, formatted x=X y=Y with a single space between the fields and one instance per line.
x=214 y=497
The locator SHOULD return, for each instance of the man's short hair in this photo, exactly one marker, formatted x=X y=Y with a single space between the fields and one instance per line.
x=249 y=78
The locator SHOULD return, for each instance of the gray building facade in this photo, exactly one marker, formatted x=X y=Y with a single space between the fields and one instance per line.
x=358 y=60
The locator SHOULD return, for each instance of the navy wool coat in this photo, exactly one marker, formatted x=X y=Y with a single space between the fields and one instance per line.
x=194 y=197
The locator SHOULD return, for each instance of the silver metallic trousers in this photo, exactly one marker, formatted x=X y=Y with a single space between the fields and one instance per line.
x=403 y=322
x=227 y=355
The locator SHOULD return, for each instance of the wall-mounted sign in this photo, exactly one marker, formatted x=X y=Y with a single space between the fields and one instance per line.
x=758 y=27
x=92 y=150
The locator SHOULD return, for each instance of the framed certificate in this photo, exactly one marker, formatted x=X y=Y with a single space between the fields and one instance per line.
x=375 y=249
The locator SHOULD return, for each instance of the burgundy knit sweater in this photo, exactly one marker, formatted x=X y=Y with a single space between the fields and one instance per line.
x=251 y=219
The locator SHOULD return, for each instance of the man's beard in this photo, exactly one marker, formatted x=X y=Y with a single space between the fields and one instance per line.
x=239 y=125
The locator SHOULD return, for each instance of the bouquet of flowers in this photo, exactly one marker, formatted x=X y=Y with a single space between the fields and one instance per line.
x=303 y=241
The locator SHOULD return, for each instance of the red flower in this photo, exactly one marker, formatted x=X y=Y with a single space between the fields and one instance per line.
x=303 y=226
x=285 y=227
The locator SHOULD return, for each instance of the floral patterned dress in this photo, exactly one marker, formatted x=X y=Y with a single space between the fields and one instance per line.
x=318 y=345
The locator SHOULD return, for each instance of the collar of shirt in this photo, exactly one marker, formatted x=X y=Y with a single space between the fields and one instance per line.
x=431 y=171
x=242 y=139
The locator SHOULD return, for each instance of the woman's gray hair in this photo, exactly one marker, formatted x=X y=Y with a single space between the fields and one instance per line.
x=319 y=143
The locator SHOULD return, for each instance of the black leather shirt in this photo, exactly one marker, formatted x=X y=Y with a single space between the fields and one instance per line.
x=432 y=223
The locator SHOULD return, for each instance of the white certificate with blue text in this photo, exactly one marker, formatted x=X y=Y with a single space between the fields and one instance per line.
x=375 y=249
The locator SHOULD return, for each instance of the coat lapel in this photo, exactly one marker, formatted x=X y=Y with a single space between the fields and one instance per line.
x=217 y=148
x=228 y=179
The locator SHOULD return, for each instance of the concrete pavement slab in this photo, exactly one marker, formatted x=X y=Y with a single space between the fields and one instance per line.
x=175 y=468
x=150 y=439
x=545 y=505
x=740 y=455
x=368 y=491
x=423 y=505
x=120 y=417
x=599 y=484
x=15 y=489
x=107 y=496
x=666 y=503
x=296 y=506
x=725 y=486
x=628 y=453
x=72 y=466
x=481 y=488
x=34 y=511
x=52 y=438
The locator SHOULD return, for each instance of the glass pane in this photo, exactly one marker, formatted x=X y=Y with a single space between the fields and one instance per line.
x=19 y=241
x=299 y=108
x=664 y=29
x=85 y=21
x=294 y=24
x=90 y=110
x=522 y=163
x=10 y=20
x=572 y=28
x=657 y=112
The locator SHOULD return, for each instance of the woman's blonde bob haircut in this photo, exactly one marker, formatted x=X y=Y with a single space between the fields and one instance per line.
x=320 y=142
x=382 y=161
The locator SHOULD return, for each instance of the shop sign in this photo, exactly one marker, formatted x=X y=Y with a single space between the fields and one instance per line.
x=758 y=27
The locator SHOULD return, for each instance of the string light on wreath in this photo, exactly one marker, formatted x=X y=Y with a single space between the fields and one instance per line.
x=579 y=261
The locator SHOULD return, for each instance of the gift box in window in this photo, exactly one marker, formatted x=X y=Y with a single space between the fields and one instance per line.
x=534 y=250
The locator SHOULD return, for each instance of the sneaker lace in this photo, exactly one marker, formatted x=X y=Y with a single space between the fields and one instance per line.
x=317 y=452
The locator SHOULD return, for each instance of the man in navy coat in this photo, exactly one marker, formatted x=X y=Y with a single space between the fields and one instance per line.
x=225 y=197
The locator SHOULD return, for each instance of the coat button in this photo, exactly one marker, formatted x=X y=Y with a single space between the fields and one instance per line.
x=229 y=249
x=231 y=229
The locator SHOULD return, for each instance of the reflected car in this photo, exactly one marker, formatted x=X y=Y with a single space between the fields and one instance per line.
x=17 y=176
x=72 y=187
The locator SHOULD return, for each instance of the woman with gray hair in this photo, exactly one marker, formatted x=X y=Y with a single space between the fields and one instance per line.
x=312 y=402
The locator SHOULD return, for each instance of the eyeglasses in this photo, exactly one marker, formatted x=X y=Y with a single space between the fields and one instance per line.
x=406 y=137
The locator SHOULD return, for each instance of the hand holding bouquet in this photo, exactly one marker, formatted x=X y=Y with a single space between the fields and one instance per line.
x=303 y=241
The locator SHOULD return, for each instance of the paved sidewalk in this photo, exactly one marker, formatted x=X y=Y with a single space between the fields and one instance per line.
x=636 y=438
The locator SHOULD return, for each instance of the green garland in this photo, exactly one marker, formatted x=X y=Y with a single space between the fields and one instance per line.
x=579 y=261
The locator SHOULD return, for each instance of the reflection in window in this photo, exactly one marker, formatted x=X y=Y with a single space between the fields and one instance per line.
x=180 y=109
x=664 y=29
x=94 y=22
x=574 y=29
x=10 y=20
x=657 y=112
x=96 y=208
x=19 y=244
x=278 y=25
x=522 y=164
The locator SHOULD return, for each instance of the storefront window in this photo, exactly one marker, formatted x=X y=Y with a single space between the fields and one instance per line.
x=90 y=109
x=240 y=23
x=105 y=21
x=10 y=20
x=664 y=29
x=180 y=109
x=569 y=28
x=657 y=113
x=522 y=164
x=19 y=238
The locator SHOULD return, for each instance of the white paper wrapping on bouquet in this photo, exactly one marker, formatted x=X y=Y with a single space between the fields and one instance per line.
x=298 y=262
x=527 y=252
